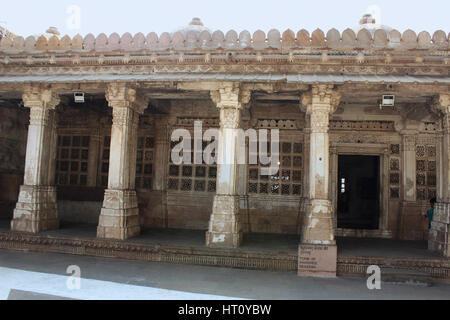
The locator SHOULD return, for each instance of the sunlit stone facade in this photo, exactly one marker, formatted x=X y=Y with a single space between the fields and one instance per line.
x=108 y=162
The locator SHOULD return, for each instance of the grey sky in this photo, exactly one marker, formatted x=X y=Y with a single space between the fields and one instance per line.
x=25 y=17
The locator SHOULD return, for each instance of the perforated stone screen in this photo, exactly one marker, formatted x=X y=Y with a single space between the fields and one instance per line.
x=72 y=160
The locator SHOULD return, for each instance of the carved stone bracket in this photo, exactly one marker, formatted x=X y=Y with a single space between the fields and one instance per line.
x=319 y=103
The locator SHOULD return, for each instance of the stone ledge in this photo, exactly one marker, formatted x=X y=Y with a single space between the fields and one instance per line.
x=439 y=268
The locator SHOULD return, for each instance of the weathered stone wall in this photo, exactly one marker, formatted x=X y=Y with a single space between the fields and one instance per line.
x=13 y=138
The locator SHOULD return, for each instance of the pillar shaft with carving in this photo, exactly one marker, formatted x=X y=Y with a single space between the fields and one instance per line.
x=119 y=218
x=36 y=209
x=318 y=223
x=439 y=238
x=317 y=251
x=160 y=163
x=224 y=226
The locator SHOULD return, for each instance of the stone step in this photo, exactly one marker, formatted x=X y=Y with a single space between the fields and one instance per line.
x=406 y=276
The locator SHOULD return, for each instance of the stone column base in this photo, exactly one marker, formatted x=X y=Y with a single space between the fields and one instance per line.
x=224 y=226
x=316 y=260
x=439 y=236
x=119 y=217
x=318 y=223
x=36 y=210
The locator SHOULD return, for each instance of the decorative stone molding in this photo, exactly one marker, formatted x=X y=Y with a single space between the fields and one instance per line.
x=37 y=96
x=120 y=95
x=362 y=125
x=218 y=40
x=230 y=99
x=319 y=103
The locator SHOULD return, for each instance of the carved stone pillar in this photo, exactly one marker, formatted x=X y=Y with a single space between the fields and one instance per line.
x=318 y=252
x=94 y=152
x=160 y=167
x=409 y=207
x=439 y=237
x=224 y=226
x=36 y=209
x=161 y=153
x=119 y=218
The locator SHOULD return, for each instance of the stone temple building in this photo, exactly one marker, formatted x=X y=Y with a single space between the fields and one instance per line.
x=363 y=118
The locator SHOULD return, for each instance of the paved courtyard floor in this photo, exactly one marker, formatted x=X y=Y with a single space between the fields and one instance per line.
x=257 y=242
x=43 y=276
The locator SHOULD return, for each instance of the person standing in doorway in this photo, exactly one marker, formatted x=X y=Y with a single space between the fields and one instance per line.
x=430 y=212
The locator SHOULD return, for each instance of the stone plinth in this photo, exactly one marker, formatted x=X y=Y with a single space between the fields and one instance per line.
x=318 y=223
x=119 y=218
x=317 y=260
x=439 y=238
x=36 y=210
x=224 y=226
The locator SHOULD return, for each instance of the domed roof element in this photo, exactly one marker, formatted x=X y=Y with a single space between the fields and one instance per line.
x=196 y=25
x=368 y=22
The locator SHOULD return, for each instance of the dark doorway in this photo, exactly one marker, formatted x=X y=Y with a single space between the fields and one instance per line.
x=359 y=192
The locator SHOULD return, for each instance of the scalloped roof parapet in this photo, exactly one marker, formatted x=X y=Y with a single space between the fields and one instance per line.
x=233 y=41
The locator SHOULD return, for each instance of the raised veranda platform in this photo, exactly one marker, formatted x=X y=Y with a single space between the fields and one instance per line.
x=259 y=251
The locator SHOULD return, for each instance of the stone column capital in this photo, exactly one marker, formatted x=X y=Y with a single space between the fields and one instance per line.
x=121 y=95
x=321 y=98
x=441 y=103
x=230 y=95
x=36 y=96
x=230 y=100
x=409 y=138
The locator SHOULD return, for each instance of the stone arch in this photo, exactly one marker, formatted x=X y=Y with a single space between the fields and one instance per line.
x=348 y=38
x=333 y=38
x=424 y=39
x=30 y=43
x=231 y=39
x=303 y=38
x=178 y=40
x=205 y=39
x=439 y=38
x=318 y=38
x=152 y=40
x=274 y=39
x=245 y=39
x=259 y=39
x=114 y=41
x=126 y=41
x=164 y=41
x=364 y=39
x=409 y=39
x=138 y=41
x=394 y=38
x=380 y=38
x=89 y=42
x=288 y=39
x=191 y=40
x=217 y=39
x=65 y=43
x=19 y=43
x=53 y=43
x=101 y=42
x=77 y=42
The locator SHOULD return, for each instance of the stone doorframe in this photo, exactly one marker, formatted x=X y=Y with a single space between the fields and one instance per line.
x=381 y=150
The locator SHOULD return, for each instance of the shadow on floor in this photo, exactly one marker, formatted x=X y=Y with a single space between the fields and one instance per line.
x=257 y=242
